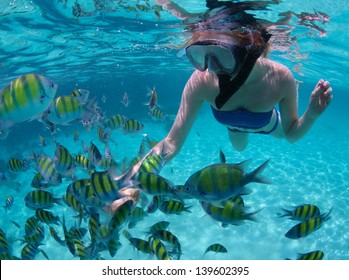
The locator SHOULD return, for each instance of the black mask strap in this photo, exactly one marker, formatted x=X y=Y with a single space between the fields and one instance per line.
x=228 y=87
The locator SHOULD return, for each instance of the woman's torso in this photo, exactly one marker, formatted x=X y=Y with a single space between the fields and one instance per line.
x=260 y=93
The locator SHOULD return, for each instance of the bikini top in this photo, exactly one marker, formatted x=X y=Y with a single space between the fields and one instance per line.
x=242 y=118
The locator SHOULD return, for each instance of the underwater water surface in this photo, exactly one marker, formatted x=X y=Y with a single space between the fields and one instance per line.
x=122 y=48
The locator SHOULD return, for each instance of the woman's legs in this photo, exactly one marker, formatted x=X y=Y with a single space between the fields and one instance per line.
x=239 y=140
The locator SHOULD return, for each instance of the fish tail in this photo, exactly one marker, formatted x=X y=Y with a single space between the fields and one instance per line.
x=255 y=176
x=251 y=216
x=326 y=216
x=285 y=214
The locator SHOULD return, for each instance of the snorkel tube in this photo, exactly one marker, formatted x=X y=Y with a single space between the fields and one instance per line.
x=230 y=84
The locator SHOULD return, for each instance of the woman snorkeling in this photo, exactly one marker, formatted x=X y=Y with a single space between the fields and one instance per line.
x=242 y=86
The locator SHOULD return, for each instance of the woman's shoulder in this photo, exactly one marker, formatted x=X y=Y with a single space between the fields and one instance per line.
x=277 y=68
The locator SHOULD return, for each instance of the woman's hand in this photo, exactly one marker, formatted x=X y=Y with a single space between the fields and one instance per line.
x=162 y=2
x=320 y=98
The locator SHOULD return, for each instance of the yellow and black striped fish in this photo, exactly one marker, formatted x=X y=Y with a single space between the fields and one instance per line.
x=8 y=202
x=152 y=164
x=169 y=237
x=46 y=167
x=132 y=126
x=157 y=114
x=17 y=165
x=94 y=154
x=314 y=255
x=37 y=237
x=217 y=248
x=158 y=226
x=4 y=246
x=158 y=249
x=85 y=163
x=219 y=182
x=39 y=199
x=93 y=227
x=64 y=109
x=173 y=207
x=30 y=251
x=301 y=212
x=229 y=213
x=46 y=217
x=55 y=236
x=152 y=183
x=141 y=245
x=308 y=226
x=121 y=215
x=104 y=187
x=25 y=98
x=113 y=246
x=30 y=225
x=64 y=162
x=116 y=121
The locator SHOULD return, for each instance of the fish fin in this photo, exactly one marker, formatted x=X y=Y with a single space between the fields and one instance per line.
x=222 y=156
x=255 y=176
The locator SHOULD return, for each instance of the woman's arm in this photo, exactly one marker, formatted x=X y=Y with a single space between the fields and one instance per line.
x=192 y=99
x=294 y=127
x=175 y=9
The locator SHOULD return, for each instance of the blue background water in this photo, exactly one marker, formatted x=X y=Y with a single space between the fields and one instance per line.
x=113 y=52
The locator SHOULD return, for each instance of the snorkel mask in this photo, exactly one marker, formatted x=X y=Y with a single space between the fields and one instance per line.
x=217 y=57
x=231 y=63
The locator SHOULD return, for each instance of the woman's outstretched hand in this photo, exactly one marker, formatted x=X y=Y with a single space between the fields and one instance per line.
x=320 y=98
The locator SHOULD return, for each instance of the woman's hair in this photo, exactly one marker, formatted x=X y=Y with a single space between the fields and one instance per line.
x=243 y=38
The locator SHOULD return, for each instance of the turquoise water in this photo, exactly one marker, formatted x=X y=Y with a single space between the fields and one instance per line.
x=112 y=52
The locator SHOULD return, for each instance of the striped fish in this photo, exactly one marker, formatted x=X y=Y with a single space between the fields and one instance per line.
x=37 y=237
x=116 y=121
x=152 y=183
x=85 y=163
x=217 y=248
x=46 y=167
x=152 y=164
x=158 y=249
x=39 y=199
x=105 y=188
x=46 y=217
x=132 y=126
x=173 y=207
x=157 y=115
x=308 y=226
x=25 y=98
x=30 y=251
x=64 y=109
x=301 y=212
x=94 y=154
x=8 y=202
x=121 y=215
x=4 y=247
x=113 y=246
x=93 y=227
x=38 y=182
x=314 y=255
x=55 y=236
x=219 y=182
x=229 y=213
x=81 y=95
x=31 y=225
x=17 y=165
x=141 y=245
x=169 y=237
x=158 y=226
x=63 y=160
